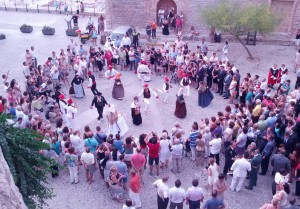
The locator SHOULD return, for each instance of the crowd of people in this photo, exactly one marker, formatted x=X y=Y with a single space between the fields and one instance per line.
x=259 y=126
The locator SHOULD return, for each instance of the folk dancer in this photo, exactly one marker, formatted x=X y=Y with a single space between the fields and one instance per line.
x=63 y=106
x=272 y=76
x=92 y=83
x=110 y=75
x=99 y=102
x=143 y=70
x=165 y=89
x=147 y=95
x=185 y=83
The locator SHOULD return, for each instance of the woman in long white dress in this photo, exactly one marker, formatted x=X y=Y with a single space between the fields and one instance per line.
x=164 y=152
x=116 y=122
x=213 y=172
x=70 y=116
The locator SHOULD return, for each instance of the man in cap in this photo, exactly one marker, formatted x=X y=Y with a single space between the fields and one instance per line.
x=110 y=74
x=147 y=95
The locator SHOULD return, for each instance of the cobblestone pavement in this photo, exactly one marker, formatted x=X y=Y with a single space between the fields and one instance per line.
x=161 y=115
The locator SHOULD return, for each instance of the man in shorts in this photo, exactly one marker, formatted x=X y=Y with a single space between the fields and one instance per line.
x=88 y=160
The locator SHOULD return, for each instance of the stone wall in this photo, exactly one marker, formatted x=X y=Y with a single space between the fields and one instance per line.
x=137 y=13
x=10 y=197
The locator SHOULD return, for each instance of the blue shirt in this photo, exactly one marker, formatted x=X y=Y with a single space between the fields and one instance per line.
x=118 y=144
x=213 y=203
x=117 y=42
x=268 y=148
x=271 y=121
x=193 y=137
x=81 y=51
x=12 y=111
x=249 y=96
x=56 y=147
x=91 y=143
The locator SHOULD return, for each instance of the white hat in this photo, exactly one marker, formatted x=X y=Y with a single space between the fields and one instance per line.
x=43 y=85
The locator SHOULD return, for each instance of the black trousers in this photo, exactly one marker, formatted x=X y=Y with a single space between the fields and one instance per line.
x=227 y=167
x=100 y=112
x=209 y=81
x=253 y=177
x=217 y=157
x=162 y=203
x=153 y=33
x=297 y=83
x=94 y=89
x=265 y=165
x=220 y=87
x=176 y=205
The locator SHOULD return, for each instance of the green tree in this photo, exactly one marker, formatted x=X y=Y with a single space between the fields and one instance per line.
x=29 y=168
x=239 y=19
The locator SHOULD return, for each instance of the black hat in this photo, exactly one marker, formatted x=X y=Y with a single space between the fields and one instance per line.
x=99 y=94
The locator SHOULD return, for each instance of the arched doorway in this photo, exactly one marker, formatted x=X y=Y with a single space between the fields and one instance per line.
x=166 y=5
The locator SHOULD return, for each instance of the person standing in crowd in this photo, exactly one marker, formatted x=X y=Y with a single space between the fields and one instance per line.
x=194 y=195
x=214 y=202
x=255 y=164
x=220 y=185
x=135 y=188
x=162 y=192
x=99 y=102
x=240 y=168
x=177 y=151
x=71 y=161
x=88 y=160
x=177 y=196
x=138 y=161
x=193 y=136
x=230 y=157
x=267 y=152
x=101 y=25
x=75 y=20
x=215 y=148
x=154 y=147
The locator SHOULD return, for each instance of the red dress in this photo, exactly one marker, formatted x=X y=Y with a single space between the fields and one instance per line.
x=272 y=76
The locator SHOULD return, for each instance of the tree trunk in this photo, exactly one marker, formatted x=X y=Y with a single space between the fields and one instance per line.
x=248 y=51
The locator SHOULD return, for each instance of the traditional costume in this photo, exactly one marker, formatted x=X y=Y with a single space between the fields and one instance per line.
x=77 y=85
x=70 y=116
x=147 y=95
x=99 y=102
x=204 y=96
x=180 y=109
x=165 y=89
x=185 y=83
x=116 y=122
x=92 y=83
x=272 y=76
x=143 y=71
x=136 y=112
x=110 y=75
x=118 y=89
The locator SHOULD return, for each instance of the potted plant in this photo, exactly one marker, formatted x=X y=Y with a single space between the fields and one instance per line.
x=2 y=36
x=72 y=32
x=26 y=28
x=48 y=31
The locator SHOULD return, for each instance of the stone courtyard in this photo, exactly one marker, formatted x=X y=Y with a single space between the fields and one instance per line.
x=95 y=196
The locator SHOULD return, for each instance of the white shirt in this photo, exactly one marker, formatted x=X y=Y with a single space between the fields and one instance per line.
x=176 y=195
x=88 y=158
x=77 y=143
x=83 y=64
x=213 y=59
x=143 y=69
x=240 y=167
x=284 y=78
x=111 y=73
x=126 y=41
x=71 y=110
x=54 y=73
x=68 y=18
x=179 y=59
x=177 y=149
x=215 y=146
x=194 y=193
x=280 y=179
x=162 y=188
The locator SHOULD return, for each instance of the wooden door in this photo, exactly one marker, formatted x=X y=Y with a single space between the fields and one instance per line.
x=167 y=5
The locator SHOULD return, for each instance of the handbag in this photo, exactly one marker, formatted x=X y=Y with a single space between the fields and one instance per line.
x=71 y=90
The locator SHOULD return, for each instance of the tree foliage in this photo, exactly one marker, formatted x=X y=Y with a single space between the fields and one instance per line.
x=239 y=19
x=29 y=168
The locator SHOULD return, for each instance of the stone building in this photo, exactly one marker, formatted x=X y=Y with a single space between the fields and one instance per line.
x=137 y=13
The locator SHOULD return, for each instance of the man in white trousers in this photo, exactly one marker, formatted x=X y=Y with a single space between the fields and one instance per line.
x=240 y=168
x=110 y=74
x=143 y=70
x=165 y=89
x=135 y=187
x=147 y=95
x=185 y=83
